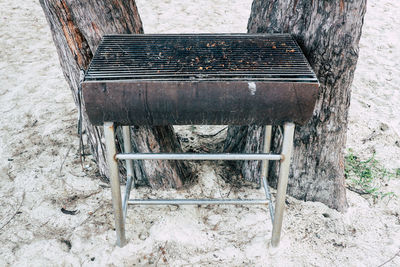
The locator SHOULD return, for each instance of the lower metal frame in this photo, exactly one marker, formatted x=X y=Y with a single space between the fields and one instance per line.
x=120 y=206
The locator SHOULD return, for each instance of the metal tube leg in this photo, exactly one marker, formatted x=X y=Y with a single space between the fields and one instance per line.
x=264 y=168
x=114 y=181
x=126 y=196
x=287 y=148
x=266 y=149
x=129 y=168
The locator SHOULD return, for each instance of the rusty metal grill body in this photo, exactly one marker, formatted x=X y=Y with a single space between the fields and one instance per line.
x=236 y=79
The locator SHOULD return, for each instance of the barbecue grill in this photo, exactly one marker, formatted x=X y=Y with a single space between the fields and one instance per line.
x=164 y=79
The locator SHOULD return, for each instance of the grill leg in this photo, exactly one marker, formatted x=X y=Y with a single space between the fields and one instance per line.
x=264 y=169
x=129 y=168
x=287 y=148
x=109 y=135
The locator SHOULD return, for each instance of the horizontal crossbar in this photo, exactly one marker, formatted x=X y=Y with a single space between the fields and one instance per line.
x=197 y=201
x=198 y=156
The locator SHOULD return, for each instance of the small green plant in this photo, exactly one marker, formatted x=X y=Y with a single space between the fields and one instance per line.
x=367 y=176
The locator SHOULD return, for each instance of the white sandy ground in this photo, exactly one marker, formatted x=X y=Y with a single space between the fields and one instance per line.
x=40 y=170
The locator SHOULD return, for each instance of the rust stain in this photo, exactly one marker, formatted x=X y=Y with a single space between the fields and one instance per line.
x=341 y=6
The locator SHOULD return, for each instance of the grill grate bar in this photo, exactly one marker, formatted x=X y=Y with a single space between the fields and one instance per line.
x=185 y=79
x=209 y=72
x=296 y=74
x=204 y=76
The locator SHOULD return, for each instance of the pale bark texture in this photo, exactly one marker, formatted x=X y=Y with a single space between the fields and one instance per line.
x=329 y=34
x=77 y=28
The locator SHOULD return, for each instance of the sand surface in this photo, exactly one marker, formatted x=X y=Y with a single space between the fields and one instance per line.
x=40 y=171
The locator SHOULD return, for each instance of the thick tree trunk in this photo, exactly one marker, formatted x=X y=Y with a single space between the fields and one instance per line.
x=245 y=139
x=329 y=33
x=77 y=28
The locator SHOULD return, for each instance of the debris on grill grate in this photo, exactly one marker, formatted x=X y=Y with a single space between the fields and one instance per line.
x=210 y=57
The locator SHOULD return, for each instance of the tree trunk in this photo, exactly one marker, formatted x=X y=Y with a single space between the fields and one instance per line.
x=329 y=33
x=77 y=28
x=245 y=139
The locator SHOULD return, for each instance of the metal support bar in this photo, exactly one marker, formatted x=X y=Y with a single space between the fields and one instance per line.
x=128 y=187
x=269 y=198
x=129 y=168
x=287 y=148
x=198 y=156
x=114 y=182
x=197 y=201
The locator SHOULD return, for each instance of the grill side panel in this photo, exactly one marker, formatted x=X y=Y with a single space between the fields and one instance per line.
x=194 y=102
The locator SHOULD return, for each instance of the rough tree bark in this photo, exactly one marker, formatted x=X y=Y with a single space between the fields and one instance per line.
x=77 y=28
x=329 y=33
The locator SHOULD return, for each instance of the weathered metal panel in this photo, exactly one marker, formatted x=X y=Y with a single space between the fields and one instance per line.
x=205 y=102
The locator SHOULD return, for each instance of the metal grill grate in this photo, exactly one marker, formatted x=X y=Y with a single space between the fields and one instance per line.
x=208 y=57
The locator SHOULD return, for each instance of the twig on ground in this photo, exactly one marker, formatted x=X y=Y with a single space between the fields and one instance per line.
x=15 y=213
x=356 y=190
x=389 y=260
x=8 y=110
x=212 y=135
x=91 y=194
x=90 y=216
x=65 y=157
x=370 y=137
x=230 y=189
x=162 y=249
x=219 y=185
x=5 y=92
